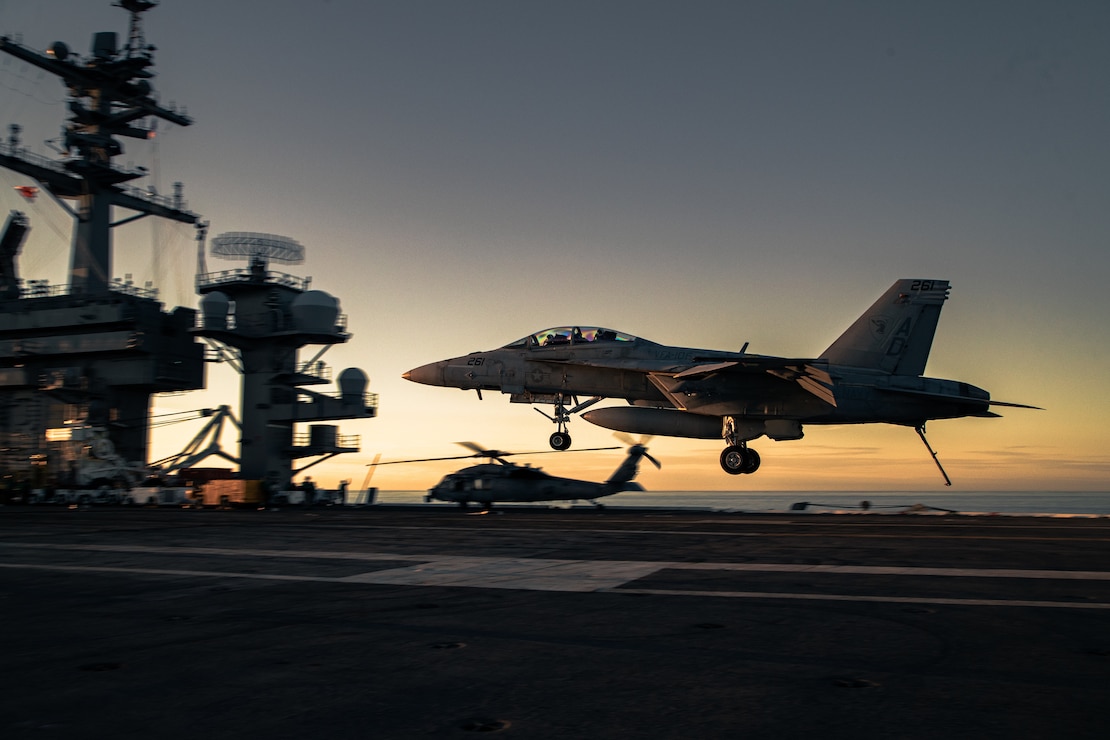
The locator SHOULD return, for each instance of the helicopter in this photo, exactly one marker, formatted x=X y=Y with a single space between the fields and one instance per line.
x=499 y=480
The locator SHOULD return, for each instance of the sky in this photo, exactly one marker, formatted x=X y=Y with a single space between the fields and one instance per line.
x=696 y=173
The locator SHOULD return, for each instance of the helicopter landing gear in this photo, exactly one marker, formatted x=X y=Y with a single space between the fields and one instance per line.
x=739 y=460
x=560 y=440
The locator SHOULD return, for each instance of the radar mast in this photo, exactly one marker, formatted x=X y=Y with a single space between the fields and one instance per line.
x=258 y=320
x=110 y=94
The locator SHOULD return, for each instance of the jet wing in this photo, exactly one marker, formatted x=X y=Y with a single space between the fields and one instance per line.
x=812 y=378
x=805 y=372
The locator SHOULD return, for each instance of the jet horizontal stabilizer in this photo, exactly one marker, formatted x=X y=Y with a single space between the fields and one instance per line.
x=958 y=399
x=1014 y=405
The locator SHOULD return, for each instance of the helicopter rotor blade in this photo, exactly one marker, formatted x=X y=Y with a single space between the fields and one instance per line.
x=628 y=440
x=641 y=444
x=370 y=473
x=421 y=459
x=480 y=452
x=553 y=452
x=477 y=448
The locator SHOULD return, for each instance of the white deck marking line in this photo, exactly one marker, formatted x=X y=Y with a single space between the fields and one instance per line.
x=164 y=572
x=233 y=551
x=851 y=597
x=523 y=579
x=475 y=561
x=897 y=570
x=519 y=573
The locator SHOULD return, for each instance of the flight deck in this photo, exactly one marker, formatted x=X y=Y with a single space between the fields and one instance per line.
x=398 y=622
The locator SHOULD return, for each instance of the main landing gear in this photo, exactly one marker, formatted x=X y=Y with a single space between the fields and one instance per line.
x=739 y=459
x=560 y=439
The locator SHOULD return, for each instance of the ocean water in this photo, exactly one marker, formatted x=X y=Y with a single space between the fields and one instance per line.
x=969 y=502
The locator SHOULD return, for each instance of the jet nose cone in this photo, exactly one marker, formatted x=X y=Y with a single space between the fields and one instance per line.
x=431 y=374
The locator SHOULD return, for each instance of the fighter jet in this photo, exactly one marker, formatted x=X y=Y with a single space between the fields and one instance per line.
x=871 y=374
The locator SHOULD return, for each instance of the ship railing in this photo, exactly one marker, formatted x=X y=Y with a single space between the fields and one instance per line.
x=264 y=325
x=43 y=289
x=369 y=400
x=128 y=288
x=317 y=370
x=40 y=289
x=304 y=439
x=148 y=194
x=39 y=160
x=246 y=275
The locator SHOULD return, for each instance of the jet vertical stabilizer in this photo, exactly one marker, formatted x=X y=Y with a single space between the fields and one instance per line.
x=896 y=333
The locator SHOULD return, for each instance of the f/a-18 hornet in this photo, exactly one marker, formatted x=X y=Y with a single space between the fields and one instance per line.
x=871 y=374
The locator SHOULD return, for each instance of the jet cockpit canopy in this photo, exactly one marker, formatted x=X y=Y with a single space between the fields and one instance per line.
x=564 y=335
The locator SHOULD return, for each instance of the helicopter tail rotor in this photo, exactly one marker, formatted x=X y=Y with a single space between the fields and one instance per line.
x=622 y=476
x=638 y=447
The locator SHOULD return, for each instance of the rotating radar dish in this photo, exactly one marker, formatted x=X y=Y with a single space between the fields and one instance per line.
x=248 y=244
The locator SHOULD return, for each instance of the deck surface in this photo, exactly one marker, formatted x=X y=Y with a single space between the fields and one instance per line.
x=403 y=622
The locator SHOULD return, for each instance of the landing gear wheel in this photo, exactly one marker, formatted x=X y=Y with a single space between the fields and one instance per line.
x=732 y=460
x=737 y=460
x=751 y=464
x=559 y=441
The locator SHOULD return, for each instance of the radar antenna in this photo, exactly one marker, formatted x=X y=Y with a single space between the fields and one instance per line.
x=135 y=40
x=237 y=245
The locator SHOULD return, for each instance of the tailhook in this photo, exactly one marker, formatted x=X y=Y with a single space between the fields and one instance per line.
x=921 y=433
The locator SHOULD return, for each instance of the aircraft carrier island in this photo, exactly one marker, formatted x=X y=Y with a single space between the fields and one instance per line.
x=80 y=362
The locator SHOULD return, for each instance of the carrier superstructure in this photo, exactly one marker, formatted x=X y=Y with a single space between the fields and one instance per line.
x=90 y=354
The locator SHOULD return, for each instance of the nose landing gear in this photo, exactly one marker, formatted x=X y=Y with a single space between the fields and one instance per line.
x=560 y=439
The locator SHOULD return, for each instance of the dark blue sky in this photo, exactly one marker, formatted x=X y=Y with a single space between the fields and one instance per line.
x=700 y=173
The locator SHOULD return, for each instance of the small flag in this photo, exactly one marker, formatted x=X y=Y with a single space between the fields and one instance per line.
x=27 y=191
